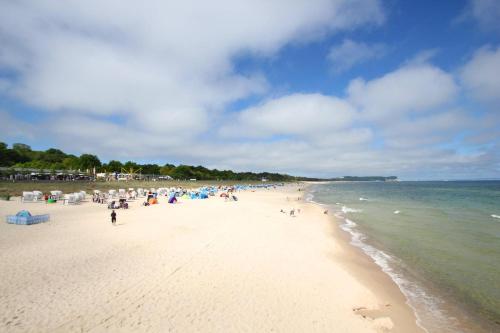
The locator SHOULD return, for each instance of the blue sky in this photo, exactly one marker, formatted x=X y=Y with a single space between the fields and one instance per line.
x=317 y=88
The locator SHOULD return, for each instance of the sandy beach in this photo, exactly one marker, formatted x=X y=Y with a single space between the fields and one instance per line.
x=199 y=265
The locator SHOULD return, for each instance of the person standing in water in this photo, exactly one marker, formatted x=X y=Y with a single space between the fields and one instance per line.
x=113 y=217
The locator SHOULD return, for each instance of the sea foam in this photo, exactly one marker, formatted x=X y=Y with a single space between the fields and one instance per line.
x=346 y=210
x=416 y=296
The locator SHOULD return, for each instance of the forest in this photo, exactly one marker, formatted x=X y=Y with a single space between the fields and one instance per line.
x=21 y=155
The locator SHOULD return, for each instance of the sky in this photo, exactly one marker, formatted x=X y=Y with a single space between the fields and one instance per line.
x=320 y=88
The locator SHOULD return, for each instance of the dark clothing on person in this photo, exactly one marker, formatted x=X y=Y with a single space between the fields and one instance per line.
x=113 y=217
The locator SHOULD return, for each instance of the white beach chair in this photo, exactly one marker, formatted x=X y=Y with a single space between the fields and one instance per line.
x=37 y=195
x=56 y=194
x=122 y=193
x=112 y=193
x=84 y=195
x=69 y=199
x=79 y=197
x=140 y=192
x=28 y=197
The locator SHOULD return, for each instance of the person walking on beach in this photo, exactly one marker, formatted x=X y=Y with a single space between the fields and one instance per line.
x=113 y=217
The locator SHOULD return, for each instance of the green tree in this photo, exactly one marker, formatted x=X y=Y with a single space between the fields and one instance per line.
x=9 y=157
x=130 y=165
x=114 y=166
x=150 y=169
x=53 y=156
x=88 y=162
x=22 y=152
x=167 y=169
x=21 y=147
x=71 y=162
x=183 y=172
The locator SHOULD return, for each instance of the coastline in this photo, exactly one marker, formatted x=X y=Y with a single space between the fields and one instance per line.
x=436 y=310
x=363 y=267
x=199 y=265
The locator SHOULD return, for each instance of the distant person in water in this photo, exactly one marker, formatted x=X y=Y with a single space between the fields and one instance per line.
x=113 y=217
x=325 y=212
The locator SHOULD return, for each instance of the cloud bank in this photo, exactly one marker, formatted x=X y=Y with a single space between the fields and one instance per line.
x=155 y=81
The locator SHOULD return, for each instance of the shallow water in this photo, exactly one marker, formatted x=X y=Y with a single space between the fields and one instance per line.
x=440 y=241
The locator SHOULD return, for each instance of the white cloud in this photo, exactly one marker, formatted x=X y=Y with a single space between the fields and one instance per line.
x=481 y=75
x=152 y=81
x=485 y=12
x=427 y=130
x=296 y=114
x=162 y=65
x=410 y=89
x=351 y=53
x=400 y=123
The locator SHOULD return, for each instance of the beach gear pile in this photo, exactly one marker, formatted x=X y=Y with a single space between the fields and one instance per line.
x=25 y=218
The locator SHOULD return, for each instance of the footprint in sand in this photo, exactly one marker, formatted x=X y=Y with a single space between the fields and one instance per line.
x=378 y=317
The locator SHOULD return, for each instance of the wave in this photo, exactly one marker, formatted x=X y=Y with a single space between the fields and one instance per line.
x=346 y=210
x=397 y=212
x=495 y=216
x=363 y=199
x=309 y=197
x=427 y=307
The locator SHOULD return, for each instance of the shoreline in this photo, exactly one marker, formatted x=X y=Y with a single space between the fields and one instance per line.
x=433 y=310
x=199 y=265
x=364 y=268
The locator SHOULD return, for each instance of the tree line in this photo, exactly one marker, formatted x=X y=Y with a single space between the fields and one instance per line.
x=22 y=156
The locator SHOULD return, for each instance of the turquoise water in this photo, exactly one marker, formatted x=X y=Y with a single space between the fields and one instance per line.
x=440 y=241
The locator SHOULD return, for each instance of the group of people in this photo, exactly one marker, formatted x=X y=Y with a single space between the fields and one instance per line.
x=98 y=198
x=292 y=212
x=122 y=203
x=229 y=197
x=47 y=197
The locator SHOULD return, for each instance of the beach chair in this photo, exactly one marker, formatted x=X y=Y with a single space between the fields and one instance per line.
x=37 y=195
x=69 y=199
x=28 y=197
x=78 y=197
x=56 y=194
x=112 y=193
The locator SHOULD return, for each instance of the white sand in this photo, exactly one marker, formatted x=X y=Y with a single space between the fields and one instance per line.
x=201 y=265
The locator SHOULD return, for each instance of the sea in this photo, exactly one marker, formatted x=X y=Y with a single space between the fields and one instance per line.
x=438 y=240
